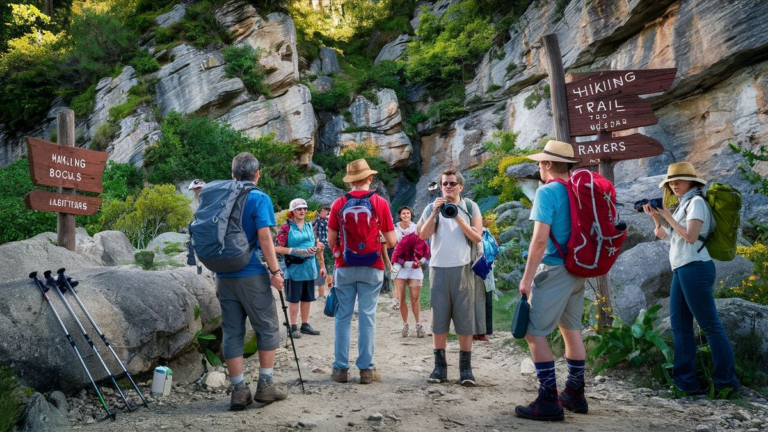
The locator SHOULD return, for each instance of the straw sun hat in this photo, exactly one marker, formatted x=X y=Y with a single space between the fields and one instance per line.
x=555 y=151
x=358 y=170
x=681 y=171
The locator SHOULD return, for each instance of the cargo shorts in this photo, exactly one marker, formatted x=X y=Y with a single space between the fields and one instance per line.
x=557 y=298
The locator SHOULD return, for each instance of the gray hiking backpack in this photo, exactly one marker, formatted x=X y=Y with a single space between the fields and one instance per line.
x=217 y=235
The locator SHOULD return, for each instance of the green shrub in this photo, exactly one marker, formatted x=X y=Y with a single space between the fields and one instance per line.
x=448 y=47
x=12 y=399
x=29 y=74
x=144 y=63
x=17 y=221
x=532 y=100
x=138 y=94
x=199 y=147
x=493 y=87
x=243 y=62
x=200 y=27
x=636 y=344
x=145 y=259
x=103 y=135
x=83 y=104
x=156 y=210
x=173 y=248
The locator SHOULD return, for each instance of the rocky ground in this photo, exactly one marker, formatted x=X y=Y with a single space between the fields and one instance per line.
x=403 y=400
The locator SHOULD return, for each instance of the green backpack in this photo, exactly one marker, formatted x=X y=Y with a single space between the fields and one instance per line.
x=725 y=202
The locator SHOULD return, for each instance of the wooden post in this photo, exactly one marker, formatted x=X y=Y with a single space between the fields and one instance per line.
x=557 y=88
x=66 y=222
x=605 y=306
x=562 y=133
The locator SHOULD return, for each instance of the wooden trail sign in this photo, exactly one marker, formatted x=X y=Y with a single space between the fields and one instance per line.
x=606 y=147
x=70 y=204
x=610 y=114
x=51 y=164
x=594 y=85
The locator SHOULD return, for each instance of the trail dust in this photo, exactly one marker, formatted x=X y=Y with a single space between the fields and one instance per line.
x=402 y=400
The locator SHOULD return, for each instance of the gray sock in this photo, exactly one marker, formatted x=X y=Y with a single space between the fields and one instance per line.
x=266 y=377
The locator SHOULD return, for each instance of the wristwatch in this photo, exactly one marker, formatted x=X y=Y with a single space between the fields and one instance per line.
x=276 y=272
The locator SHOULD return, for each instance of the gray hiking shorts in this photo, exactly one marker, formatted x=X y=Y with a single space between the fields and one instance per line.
x=455 y=295
x=249 y=297
x=557 y=298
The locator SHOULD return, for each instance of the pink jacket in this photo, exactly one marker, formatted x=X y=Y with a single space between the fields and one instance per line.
x=410 y=248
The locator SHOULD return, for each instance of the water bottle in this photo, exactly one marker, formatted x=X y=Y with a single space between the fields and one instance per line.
x=161 y=381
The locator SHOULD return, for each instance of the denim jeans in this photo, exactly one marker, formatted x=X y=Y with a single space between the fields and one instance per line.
x=363 y=284
x=691 y=297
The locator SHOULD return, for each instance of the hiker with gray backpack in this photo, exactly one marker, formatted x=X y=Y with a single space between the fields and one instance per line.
x=702 y=227
x=230 y=230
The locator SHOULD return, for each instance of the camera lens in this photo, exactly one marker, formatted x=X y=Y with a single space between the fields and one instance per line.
x=449 y=210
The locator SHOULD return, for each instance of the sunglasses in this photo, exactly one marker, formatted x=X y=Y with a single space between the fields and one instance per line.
x=452 y=184
x=301 y=209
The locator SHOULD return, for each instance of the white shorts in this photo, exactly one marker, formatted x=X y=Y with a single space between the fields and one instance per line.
x=408 y=272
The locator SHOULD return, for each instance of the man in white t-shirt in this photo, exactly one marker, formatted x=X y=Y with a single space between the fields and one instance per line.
x=455 y=294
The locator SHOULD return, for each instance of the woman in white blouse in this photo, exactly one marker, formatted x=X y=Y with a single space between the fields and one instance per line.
x=693 y=276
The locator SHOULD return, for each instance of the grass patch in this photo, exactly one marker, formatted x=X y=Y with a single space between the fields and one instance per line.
x=83 y=104
x=12 y=399
x=243 y=62
x=173 y=248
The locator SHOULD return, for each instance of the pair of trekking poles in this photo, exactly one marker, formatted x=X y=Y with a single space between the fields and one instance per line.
x=66 y=284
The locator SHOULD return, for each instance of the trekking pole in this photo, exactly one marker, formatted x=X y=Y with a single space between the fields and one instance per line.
x=51 y=282
x=66 y=283
x=290 y=335
x=43 y=291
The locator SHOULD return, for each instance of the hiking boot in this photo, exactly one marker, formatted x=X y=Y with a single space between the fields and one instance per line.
x=420 y=331
x=368 y=376
x=480 y=338
x=241 y=397
x=307 y=329
x=440 y=373
x=406 y=331
x=270 y=394
x=465 y=369
x=544 y=408
x=573 y=400
x=340 y=375
x=295 y=333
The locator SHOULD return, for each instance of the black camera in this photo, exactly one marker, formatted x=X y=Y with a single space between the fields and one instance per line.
x=656 y=203
x=449 y=210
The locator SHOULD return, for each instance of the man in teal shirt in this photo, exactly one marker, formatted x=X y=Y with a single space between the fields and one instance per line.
x=556 y=296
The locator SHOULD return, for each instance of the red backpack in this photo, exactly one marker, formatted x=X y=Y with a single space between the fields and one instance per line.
x=595 y=241
x=359 y=231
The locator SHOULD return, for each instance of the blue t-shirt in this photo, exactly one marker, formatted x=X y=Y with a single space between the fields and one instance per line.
x=258 y=213
x=551 y=206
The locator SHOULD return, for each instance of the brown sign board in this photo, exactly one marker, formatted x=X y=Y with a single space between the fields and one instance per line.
x=613 y=149
x=589 y=117
x=595 y=85
x=68 y=167
x=72 y=204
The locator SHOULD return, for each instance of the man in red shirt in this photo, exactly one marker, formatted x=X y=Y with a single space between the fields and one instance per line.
x=353 y=233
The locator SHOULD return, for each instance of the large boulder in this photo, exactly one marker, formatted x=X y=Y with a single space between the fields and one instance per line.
x=145 y=314
x=747 y=326
x=41 y=415
x=326 y=64
x=274 y=37
x=325 y=193
x=168 y=239
x=393 y=50
x=137 y=132
x=195 y=82
x=172 y=17
x=108 y=248
x=642 y=277
x=290 y=117
x=19 y=259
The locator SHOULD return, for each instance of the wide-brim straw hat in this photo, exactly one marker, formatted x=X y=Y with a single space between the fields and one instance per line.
x=681 y=171
x=555 y=151
x=358 y=170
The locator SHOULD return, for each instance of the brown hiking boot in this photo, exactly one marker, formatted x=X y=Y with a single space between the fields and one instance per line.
x=368 y=376
x=241 y=397
x=340 y=375
x=270 y=394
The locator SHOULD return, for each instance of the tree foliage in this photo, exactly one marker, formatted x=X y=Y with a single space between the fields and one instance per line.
x=448 y=47
x=156 y=210
x=199 y=147
x=335 y=166
x=17 y=221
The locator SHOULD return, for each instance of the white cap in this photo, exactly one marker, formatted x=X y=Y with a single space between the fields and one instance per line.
x=197 y=183
x=297 y=204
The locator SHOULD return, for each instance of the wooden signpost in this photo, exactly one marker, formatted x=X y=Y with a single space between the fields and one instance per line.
x=67 y=167
x=599 y=103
